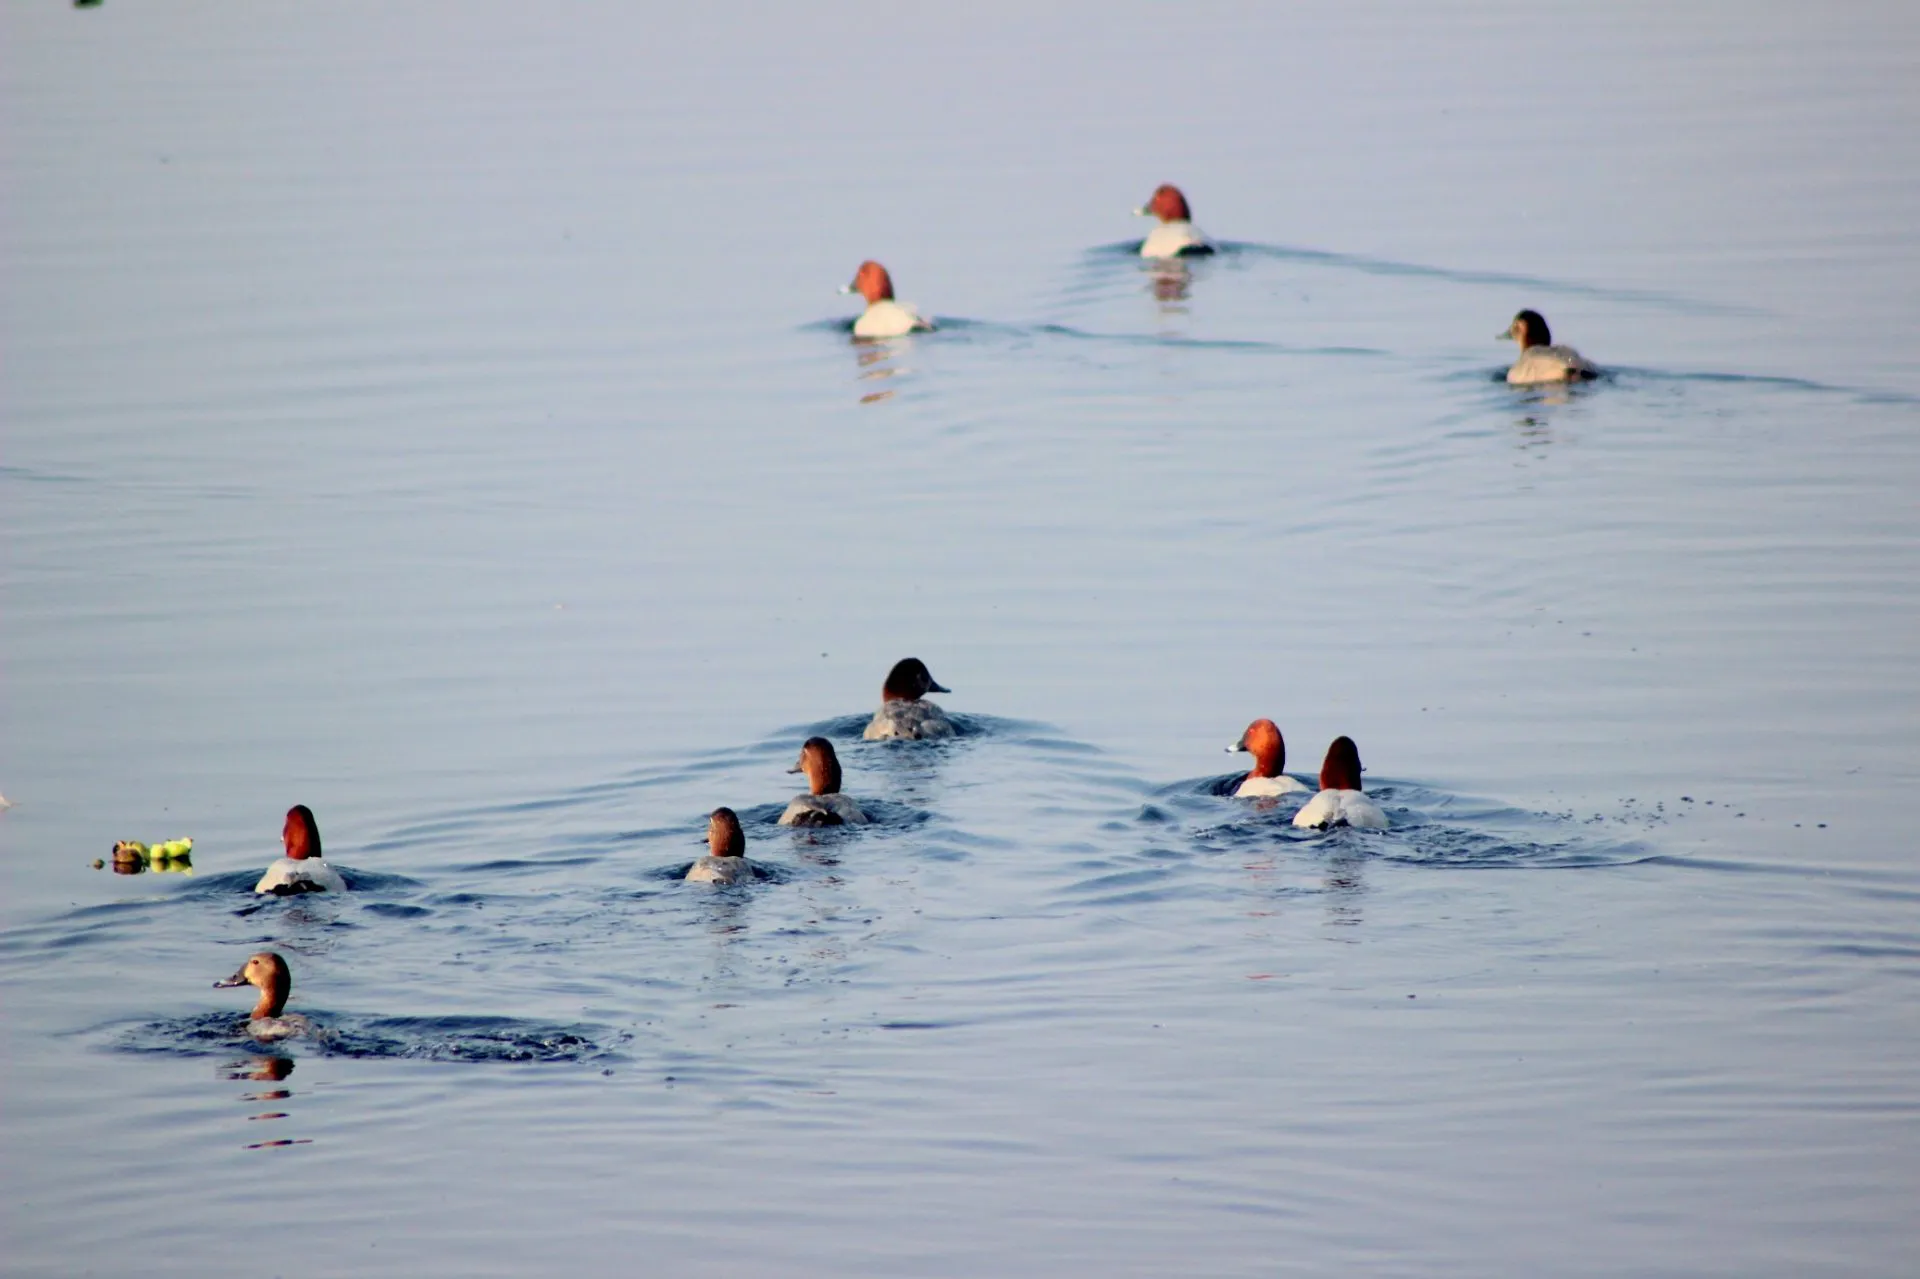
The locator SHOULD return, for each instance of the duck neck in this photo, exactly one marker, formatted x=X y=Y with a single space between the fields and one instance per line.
x=823 y=776
x=273 y=999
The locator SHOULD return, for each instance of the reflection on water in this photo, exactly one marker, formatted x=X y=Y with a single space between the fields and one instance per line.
x=1171 y=281
x=304 y=442
x=262 y=1068
x=1344 y=886
x=270 y=1069
x=875 y=358
x=1532 y=431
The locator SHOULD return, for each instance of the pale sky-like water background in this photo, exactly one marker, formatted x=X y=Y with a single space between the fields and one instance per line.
x=442 y=415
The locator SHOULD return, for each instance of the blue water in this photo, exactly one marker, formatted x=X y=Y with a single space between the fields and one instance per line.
x=444 y=417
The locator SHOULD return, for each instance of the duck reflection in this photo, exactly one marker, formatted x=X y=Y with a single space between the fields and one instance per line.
x=268 y=1069
x=1343 y=886
x=875 y=361
x=1171 y=282
x=271 y=1069
x=724 y=916
x=1533 y=431
x=1538 y=398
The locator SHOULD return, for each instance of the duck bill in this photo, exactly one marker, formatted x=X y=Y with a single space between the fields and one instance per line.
x=1237 y=746
x=238 y=979
x=937 y=688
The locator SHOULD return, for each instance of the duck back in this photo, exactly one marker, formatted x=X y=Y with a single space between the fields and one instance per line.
x=1341 y=808
x=1172 y=240
x=914 y=719
x=822 y=810
x=291 y=875
x=1550 y=364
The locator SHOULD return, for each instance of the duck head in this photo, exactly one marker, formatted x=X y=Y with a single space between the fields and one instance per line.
x=1341 y=771
x=268 y=973
x=724 y=836
x=1269 y=749
x=821 y=765
x=871 y=282
x=1529 y=328
x=909 y=681
x=1167 y=204
x=301 y=835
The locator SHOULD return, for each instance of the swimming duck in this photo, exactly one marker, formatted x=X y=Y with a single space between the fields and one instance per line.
x=1175 y=236
x=1540 y=360
x=1340 y=801
x=726 y=859
x=903 y=711
x=823 y=805
x=270 y=974
x=883 y=318
x=1269 y=757
x=301 y=870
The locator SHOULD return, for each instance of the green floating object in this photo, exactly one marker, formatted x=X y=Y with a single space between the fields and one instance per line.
x=130 y=856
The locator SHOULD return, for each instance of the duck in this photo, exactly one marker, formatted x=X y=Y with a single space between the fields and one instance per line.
x=1176 y=235
x=884 y=317
x=904 y=712
x=1540 y=360
x=301 y=870
x=726 y=860
x=269 y=973
x=823 y=805
x=1340 y=801
x=1269 y=750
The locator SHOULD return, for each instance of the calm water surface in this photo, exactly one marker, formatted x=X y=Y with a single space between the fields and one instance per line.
x=442 y=416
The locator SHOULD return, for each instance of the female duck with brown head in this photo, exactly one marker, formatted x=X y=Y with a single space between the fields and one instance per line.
x=1540 y=360
x=1269 y=751
x=301 y=870
x=823 y=805
x=884 y=317
x=904 y=710
x=1176 y=236
x=269 y=974
x=1340 y=801
x=726 y=860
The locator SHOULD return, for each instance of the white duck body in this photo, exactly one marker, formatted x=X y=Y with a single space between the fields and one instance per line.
x=1539 y=364
x=1341 y=808
x=1268 y=787
x=823 y=810
x=902 y=718
x=1171 y=239
x=889 y=319
x=300 y=875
